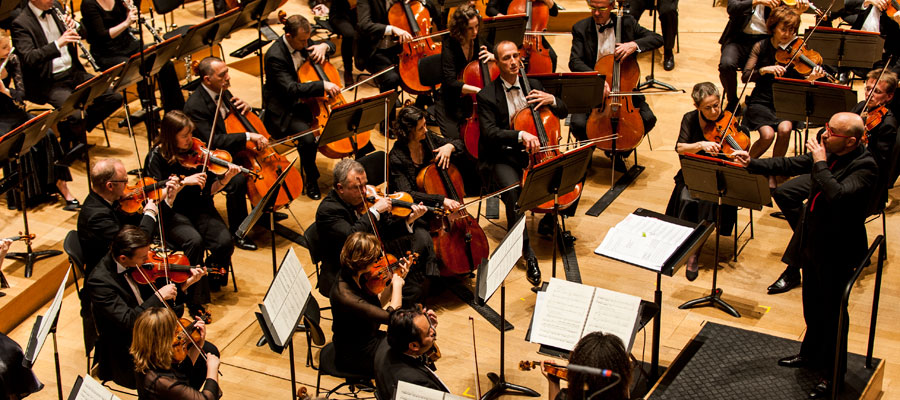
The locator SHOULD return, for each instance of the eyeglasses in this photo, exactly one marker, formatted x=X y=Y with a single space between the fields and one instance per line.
x=125 y=181
x=599 y=9
x=831 y=132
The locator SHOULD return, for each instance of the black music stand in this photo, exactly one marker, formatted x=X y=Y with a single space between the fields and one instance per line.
x=46 y=325
x=650 y=82
x=846 y=47
x=200 y=36
x=723 y=183
x=348 y=120
x=250 y=12
x=813 y=102
x=14 y=145
x=550 y=178
x=581 y=91
x=507 y=27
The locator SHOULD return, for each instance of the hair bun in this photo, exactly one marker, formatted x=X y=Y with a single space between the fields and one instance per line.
x=282 y=17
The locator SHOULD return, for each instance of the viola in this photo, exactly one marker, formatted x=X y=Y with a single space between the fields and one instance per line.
x=144 y=189
x=543 y=124
x=413 y=17
x=477 y=74
x=617 y=116
x=551 y=369
x=801 y=57
x=377 y=276
x=433 y=354
x=536 y=56
x=27 y=238
x=175 y=267
x=186 y=332
x=267 y=163
x=725 y=131
x=217 y=162
x=401 y=202
x=459 y=242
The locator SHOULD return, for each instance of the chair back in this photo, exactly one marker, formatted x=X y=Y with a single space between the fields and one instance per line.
x=72 y=247
x=312 y=241
x=430 y=70
x=311 y=319
x=373 y=163
x=166 y=6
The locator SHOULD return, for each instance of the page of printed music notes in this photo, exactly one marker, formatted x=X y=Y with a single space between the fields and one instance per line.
x=286 y=297
x=92 y=390
x=614 y=313
x=411 y=391
x=565 y=308
x=643 y=241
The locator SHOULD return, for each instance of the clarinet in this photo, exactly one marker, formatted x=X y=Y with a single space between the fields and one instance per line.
x=90 y=58
x=156 y=37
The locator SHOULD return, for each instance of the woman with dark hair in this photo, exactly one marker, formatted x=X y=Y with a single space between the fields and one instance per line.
x=413 y=151
x=194 y=225
x=596 y=350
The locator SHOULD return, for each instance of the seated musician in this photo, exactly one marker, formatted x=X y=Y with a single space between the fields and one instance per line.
x=595 y=37
x=117 y=300
x=194 y=225
x=201 y=109
x=595 y=350
x=342 y=213
x=501 y=7
x=16 y=381
x=156 y=360
x=378 y=42
x=872 y=17
x=403 y=356
x=881 y=139
x=668 y=21
x=359 y=313
x=342 y=21
x=762 y=68
x=746 y=26
x=286 y=114
x=682 y=205
x=51 y=69
x=500 y=148
x=108 y=31
x=11 y=82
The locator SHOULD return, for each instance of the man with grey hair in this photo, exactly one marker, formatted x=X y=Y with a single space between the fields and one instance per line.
x=342 y=213
x=830 y=237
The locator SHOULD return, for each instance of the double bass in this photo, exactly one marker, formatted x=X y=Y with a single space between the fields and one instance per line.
x=617 y=116
x=459 y=243
x=477 y=74
x=536 y=56
x=413 y=17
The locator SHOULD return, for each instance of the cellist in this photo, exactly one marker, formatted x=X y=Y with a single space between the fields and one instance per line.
x=595 y=37
x=285 y=113
x=503 y=150
x=501 y=7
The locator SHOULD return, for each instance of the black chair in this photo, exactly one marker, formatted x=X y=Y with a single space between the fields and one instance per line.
x=355 y=382
x=373 y=163
x=164 y=7
x=430 y=75
x=312 y=241
x=315 y=336
x=72 y=247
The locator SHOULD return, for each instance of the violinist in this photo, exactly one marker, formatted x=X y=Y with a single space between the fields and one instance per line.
x=746 y=26
x=501 y=7
x=156 y=360
x=762 y=68
x=286 y=114
x=403 y=356
x=595 y=37
x=342 y=213
x=117 y=300
x=194 y=225
x=668 y=20
x=201 y=109
x=708 y=110
x=358 y=313
x=874 y=16
x=596 y=350
x=503 y=151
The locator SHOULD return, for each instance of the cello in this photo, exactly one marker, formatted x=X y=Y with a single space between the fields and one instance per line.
x=266 y=162
x=413 y=17
x=618 y=115
x=460 y=243
x=536 y=56
x=543 y=124
x=477 y=74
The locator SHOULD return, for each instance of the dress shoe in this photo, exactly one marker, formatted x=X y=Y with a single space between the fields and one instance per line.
x=534 y=272
x=821 y=390
x=692 y=269
x=669 y=62
x=568 y=238
x=788 y=280
x=312 y=191
x=778 y=214
x=795 y=361
x=72 y=205
x=244 y=244
x=545 y=226
x=280 y=216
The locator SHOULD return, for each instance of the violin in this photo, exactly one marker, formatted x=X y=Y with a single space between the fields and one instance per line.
x=551 y=369
x=377 y=275
x=533 y=52
x=459 y=243
x=217 y=162
x=144 y=189
x=873 y=119
x=401 y=202
x=175 y=267
x=727 y=134
x=433 y=354
x=185 y=333
x=801 y=57
x=413 y=17
x=617 y=116
x=477 y=74
x=27 y=238
x=543 y=124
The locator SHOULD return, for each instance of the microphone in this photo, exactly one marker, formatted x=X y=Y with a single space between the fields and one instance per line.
x=607 y=373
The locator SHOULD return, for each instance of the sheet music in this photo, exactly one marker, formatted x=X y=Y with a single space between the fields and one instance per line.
x=411 y=391
x=90 y=389
x=504 y=258
x=643 y=241
x=48 y=319
x=615 y=313
x=286 y=297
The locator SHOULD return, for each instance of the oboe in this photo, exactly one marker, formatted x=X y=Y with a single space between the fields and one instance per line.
x=90 y=58
x=156 y=36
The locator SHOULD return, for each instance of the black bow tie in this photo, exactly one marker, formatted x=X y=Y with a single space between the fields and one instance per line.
x=606 y=26
x=45 y=13
x=511 y=88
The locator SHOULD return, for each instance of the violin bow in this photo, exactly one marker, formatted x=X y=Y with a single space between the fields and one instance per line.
x=869 y=96
x=212 y=130
x=813 y=30
x=362 y=194
x=475 y=359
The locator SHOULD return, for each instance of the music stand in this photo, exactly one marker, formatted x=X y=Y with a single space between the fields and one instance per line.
x=581 y=91
x=14 y=145
x=650 y=82
x=45 y=325
x=550 y=178
x=444 y=4
x=723 y=183
x=7 y=7
x=506 y=27
x=846 y=47
x=813 y=102
x=200 y=36
x=348 y=120
x=491 y=274
x=825 y=4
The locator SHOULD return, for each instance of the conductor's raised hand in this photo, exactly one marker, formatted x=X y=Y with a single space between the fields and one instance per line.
x=816 y=148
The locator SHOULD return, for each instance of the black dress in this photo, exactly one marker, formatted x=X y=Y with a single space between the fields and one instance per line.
x=760 y=106
x=357 y=318
x=108 y=51
x=684 y=206
x=404 y=170
x=171 y=385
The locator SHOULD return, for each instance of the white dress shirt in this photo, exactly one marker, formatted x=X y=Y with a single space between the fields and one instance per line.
x=873 y=21
x=606 y=41
x=134 y=288
x=757 y=25
x=51 y=31
x=295 y=54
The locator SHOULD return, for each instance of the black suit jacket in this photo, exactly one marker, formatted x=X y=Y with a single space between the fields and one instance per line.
x=372 y=19
x=201 y=108
x=882 y=140
x=888 y=27
x=392 y=366
x=98 y=223
x=499 y=143
x=115 y=310
x=584 y=41
x=37 y=55
x=282 y=90
x=739 y=12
